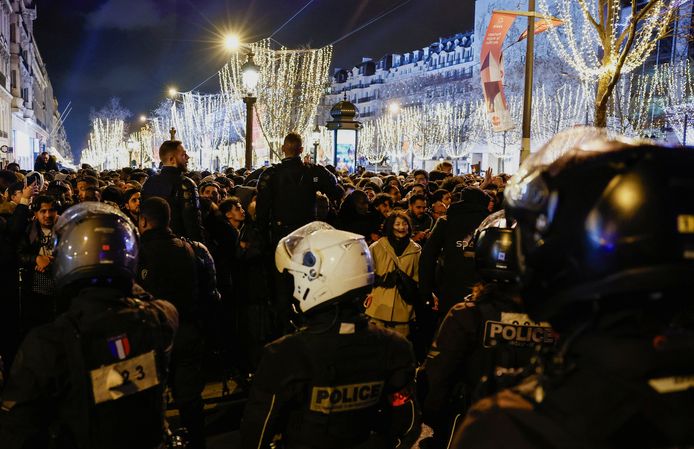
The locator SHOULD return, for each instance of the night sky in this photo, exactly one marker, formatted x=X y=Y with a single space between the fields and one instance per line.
x=135 y=49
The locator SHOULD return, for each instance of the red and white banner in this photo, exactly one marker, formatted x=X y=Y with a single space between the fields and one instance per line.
x=492 y=70
x=542 y=25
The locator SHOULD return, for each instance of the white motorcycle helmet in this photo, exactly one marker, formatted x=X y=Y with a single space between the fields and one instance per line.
x=325 y=263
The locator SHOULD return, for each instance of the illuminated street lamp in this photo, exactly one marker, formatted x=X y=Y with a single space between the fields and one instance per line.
x=131 y=147
x=346 y=130
x=250 y=75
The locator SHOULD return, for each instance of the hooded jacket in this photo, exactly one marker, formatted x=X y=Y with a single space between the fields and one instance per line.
x=386 y=303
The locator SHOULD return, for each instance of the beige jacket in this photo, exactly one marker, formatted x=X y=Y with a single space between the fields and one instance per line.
x=386 y=303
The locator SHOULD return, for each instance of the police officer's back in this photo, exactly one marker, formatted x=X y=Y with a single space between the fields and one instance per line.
x=485 y=342
x=178 y=190
x=339 y=382
x=95 y=377
x=287 y=192
x=606 y=238
x=168 y=268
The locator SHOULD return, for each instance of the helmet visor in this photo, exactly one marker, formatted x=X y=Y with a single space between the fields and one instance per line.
x=293 y=241
x=528 y=188
x=80 y=211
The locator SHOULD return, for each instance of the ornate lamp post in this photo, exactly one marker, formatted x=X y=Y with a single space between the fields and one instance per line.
x=250 y=75
x=346 y=130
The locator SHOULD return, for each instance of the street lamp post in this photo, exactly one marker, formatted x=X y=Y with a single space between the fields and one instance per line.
x=250 y=75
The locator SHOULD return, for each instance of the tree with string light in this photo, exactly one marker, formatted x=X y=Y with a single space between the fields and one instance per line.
x=603 y=40
x=290 y=86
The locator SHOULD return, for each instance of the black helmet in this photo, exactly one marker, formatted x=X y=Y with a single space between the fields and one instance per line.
x=600 y=217
x=94 y=241
x=495 y=249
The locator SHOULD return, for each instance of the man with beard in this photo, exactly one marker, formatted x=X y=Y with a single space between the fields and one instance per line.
x=178 y=190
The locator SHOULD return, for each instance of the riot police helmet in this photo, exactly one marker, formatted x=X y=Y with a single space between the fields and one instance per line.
x=95 y=241
x=495 y=249
x=601 y=217
x=325 y=264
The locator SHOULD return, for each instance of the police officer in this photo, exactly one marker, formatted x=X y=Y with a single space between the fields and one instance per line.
x=339 y=382
x=94 y=378
x=484 y=342
x=168 y=268
x=606 y=235
x=286 y=201
x=178 y=190
x=447 y=250
x=287 y=192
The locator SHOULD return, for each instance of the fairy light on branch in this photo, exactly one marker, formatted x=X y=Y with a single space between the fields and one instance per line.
x=291 y=85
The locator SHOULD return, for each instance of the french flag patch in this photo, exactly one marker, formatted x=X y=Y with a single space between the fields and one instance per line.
x=119 y=346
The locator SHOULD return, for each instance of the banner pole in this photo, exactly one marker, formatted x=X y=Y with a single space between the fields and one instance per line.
x=528 y=95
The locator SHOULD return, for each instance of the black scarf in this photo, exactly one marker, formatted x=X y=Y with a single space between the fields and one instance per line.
x=398 y=245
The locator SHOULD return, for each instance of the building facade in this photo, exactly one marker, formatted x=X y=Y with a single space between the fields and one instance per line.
x=33 y=109
x=448 y=70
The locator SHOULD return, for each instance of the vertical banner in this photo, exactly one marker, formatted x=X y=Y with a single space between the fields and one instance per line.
x=492 y=71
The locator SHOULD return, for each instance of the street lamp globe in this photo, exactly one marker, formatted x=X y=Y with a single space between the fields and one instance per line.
x=394 y=107
x=232 y=42
x=250 y=74
x=172 y=92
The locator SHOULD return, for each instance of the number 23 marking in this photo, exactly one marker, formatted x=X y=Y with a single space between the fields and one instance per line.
x=139 y=370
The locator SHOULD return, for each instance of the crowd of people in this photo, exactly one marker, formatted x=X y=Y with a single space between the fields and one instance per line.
x=373 y=279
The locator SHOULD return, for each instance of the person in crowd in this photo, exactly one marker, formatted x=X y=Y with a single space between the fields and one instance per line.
x=438 y=210
x=394 y=191
x=421 y=220
x=447 y=250
x=35 y=256
x=112 y=195
x=178 y=190
x=131 y=204
x=287 y=192
x=445 y=167
x=396 y=264
x=339 y=382
x=286 y=201
x=383 y=204
x=90 y=193
x=421 y=177
x=83 y=184
x=14 y=193
x=443 y=196
x=247 y=290
x=13 y=227
x=211 y=190
x=605 y=244
x=61 y=191
x=355 y=216
x=168 y=269
x=41 y=162
x=95 y=377
x=485 y=343
x=7 y=178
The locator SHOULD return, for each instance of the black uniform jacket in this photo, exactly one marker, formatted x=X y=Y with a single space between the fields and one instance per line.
x=55 y=384
x=450 y=239
x=617 y=389
x=182 y=195
x=287 y=195
x=323 y=387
